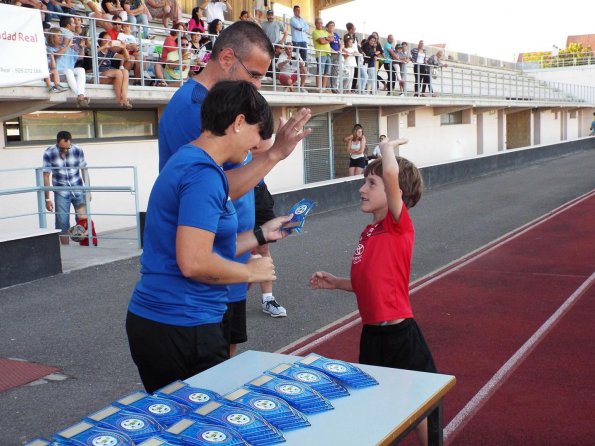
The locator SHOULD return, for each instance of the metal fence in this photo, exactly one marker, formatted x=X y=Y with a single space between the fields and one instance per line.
x=147 y=62
x=39 y=189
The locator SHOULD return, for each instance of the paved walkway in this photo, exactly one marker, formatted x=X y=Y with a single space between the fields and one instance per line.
x=75 y=321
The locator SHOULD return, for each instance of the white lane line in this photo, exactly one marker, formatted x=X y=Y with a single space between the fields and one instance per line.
x=481 y=397
x=455 y=265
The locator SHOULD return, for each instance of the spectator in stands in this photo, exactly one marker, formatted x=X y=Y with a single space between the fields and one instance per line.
x=131 y=44
x=356 y=146
x=390 y=65
x=371 y=51
x=62 y=6
x=420 y=69
x=51 y=49
x=361 y=72
x=299 y=36
x=93 y=9
x=165 y=10
x=404 y=57
x=65 y=163
x=349 y=63
x=288 y=66
x=137 y=13
x=434 y=62
x=110 y=54
x=592 y=128
x=173 y=73
x=259 y=8
x=196 y=22
x=38 y=4
x=322 y=48
x=214 y=29
x=114 y=7
x=336 y=47
x=215 y=9
x=245 y=15
x=116 y=27
x=275 y=31
x=66 y=55
x=195 y=51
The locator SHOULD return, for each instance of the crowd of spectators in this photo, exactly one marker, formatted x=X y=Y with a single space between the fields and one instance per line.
x=127 y=53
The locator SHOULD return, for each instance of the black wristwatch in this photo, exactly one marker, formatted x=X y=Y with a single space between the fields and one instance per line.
x=260 y=238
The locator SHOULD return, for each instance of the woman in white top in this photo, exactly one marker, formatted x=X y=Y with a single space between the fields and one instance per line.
x=356 y=145
x=349 y=63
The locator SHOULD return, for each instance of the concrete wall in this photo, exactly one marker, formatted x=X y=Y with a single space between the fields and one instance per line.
x=341 y=193
x=550 y=126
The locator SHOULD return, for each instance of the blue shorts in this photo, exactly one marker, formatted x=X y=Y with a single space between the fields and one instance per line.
x=324 y=65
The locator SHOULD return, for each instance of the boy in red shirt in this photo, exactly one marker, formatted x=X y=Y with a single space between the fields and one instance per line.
x=381 y=267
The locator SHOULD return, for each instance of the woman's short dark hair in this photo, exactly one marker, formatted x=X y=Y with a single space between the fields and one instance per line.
x=228 y=99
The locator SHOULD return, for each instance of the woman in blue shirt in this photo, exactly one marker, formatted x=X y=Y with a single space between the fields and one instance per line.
x=190 y=243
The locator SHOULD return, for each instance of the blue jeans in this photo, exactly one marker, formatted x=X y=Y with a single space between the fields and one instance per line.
x=62 y=210
x=143 y=20
x=324 y=65
x=303 y=50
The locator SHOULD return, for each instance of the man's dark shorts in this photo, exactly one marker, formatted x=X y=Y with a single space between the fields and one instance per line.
x=264 y=204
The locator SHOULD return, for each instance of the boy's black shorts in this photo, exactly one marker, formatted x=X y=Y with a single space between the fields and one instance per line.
x=234 y=322
x=400 y=346
x=263 y=204
x=164 y=353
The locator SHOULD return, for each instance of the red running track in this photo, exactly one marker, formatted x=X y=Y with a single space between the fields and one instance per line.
x=513 y=322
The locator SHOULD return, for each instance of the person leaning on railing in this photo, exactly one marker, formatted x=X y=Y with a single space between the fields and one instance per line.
x=110 y=53
x=434 y=62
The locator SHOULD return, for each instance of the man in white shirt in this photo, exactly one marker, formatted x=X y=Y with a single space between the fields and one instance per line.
x=288 y=65
x=215 y=9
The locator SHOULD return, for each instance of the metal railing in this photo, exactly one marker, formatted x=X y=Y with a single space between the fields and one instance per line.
x=460 y=80
x=39 y=189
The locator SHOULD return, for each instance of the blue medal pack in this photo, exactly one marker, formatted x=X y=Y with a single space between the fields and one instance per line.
x=342 y=371
x=275 y=410
x=87 y=434
x=301 y=396
x=196 y=433
x=165 y=411
x=192 y=397
x=300 y=211
x=137 y=426
x=319 y=381
x=251 y=425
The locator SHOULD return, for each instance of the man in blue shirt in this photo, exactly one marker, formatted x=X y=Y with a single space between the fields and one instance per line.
x=65 y=163
x=242 y=52
x=299 y=36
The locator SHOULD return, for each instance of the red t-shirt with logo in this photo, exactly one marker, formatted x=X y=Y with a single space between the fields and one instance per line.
x=381 y=267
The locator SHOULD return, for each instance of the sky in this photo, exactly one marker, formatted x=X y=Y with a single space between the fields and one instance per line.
x=499 y=29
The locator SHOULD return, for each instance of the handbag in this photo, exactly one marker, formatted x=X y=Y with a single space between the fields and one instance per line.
x=434 y=72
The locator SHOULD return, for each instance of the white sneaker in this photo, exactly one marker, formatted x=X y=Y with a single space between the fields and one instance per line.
x=273 y=308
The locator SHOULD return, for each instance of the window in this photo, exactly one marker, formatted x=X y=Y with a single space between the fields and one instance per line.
x=451 y=118
x=43 y=126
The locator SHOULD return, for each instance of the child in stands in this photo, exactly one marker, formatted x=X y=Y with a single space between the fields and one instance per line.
x=381 y=266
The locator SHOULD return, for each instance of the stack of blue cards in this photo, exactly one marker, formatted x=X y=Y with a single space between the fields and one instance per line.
x=165 y=411
x=319 y=381
x=251 y=426
x=192 y=397
x=301 y=396
x=192 y=432
x=137 y=426
x=158 y=441
x=85 y=434
x=276 y=411
x=300 y=211
x=342 y=371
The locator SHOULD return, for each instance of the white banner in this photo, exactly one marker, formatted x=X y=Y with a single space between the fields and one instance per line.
x=22 y=46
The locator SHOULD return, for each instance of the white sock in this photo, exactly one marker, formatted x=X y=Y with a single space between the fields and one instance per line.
x=267 y=296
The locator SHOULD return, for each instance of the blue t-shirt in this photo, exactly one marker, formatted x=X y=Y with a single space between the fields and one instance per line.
x=180 y=122
x=191 y=191
x=246 y=221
